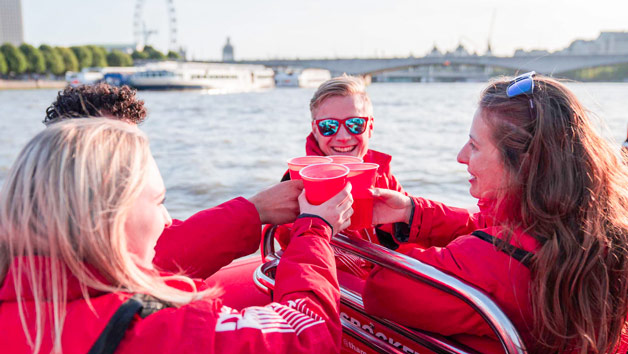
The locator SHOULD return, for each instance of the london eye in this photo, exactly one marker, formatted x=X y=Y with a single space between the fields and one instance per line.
x=141 y=34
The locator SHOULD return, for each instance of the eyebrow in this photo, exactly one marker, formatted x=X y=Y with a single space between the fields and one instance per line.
x=161 y=195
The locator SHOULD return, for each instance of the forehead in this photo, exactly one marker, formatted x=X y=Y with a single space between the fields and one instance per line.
x=480 y=130
x=154 y=182
x=343 y=107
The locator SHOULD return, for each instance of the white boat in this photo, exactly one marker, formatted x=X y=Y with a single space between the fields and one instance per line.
x=191 y=75
x=89 y=76
x=297 y=77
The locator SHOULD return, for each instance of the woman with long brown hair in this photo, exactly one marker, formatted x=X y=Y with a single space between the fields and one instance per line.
x=549 y=244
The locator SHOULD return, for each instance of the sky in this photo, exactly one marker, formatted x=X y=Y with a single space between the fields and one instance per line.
x=264 y=29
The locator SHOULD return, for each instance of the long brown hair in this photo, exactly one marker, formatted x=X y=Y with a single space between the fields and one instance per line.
x=569 y=190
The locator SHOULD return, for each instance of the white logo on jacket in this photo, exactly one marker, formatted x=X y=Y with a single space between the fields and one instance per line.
x=274 y=317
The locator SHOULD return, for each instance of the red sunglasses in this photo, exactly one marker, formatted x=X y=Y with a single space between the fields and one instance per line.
x=330 y=126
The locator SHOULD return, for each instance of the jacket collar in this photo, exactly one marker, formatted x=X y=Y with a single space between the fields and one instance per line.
x=383 y=160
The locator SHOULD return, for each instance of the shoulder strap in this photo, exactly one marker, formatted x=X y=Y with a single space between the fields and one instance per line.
x=140 y=304
x=524 y=257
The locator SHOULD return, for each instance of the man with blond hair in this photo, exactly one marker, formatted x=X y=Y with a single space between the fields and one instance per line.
x=342 y=124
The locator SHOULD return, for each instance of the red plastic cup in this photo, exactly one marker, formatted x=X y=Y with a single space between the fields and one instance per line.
x=343 y=159
x=362 y=178
x=323 y=181
x=295 y=164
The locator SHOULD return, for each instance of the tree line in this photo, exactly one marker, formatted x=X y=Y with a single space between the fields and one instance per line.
x=28 y=59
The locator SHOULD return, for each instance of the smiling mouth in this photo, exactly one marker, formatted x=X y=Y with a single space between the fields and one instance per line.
x=343 y=149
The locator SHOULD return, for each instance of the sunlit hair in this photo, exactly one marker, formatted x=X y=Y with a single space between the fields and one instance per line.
x=344 y=85
x=67 y=197
x=569 y=190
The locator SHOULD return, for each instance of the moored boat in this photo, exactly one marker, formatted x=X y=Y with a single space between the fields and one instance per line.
x=192 y=75
x=297 y=77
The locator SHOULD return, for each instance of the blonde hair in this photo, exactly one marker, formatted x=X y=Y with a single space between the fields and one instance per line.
x=67 y=197
x=344 y=85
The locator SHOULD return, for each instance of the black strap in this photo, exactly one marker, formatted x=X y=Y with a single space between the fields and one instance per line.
x=524 y=257
x=112 y=335
x=386 y=239
x=286 y=176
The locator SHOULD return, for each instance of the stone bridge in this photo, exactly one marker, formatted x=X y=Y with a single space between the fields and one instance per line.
x=547 y=64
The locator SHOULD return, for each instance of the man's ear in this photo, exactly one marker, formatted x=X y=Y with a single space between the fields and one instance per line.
x=371 y=127
x=314 y=130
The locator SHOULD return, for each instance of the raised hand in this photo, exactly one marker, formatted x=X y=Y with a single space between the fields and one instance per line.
x=390 y=206
x=336 y=211
x=278 y=204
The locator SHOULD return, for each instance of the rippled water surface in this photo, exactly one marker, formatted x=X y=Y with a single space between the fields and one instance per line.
x=213 y=147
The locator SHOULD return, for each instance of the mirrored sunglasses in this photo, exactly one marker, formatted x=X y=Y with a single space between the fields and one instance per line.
x=330 y=126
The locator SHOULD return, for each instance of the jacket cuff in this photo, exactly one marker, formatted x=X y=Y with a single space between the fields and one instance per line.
x=305 y=215
x=401 y=230
x=308 y=224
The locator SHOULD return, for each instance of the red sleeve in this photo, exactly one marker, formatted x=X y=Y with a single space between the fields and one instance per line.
x=468 y=258
x=210 y=239
x=436 y=224
x=419 y=305
x=304 y=320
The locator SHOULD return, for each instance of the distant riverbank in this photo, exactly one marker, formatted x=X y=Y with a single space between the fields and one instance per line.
x=31 y=84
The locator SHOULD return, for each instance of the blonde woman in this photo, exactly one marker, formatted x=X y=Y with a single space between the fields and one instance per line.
x=80 y=213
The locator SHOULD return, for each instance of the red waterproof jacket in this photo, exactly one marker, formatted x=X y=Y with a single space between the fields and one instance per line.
x=445 y=232
x=304 y=318
x=228 y=231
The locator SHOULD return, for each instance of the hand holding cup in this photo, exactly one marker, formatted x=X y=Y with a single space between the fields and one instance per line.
x=390 y=206
x=336 y=211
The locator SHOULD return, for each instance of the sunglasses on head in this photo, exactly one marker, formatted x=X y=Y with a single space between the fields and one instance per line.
x=330 y=126
x=522 y=85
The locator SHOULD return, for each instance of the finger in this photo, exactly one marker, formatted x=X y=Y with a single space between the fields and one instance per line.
x=345 y=224
x=342 y=195
x=376 y=192
x=297 y=183
x=347 y=213
x=302 y=198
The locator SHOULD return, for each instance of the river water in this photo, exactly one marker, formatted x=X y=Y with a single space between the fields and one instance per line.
x=214 y=147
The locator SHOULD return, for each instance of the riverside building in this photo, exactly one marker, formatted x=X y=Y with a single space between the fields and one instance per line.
x=11 y=25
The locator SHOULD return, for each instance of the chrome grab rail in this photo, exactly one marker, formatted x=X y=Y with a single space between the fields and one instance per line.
x=413 y=268
x=268 y=244
x=262 y=280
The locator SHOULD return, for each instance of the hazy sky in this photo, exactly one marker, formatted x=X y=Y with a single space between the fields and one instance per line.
x=329 y=28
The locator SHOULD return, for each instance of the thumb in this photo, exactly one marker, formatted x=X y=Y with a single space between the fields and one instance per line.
x=302 y=197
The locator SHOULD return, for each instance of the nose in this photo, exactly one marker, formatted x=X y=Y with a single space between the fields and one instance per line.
x=343 y=134
x=463 y=155
x=167 y=218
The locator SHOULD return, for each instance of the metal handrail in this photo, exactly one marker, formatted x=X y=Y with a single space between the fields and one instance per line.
x=415 y=269
x=266 y=284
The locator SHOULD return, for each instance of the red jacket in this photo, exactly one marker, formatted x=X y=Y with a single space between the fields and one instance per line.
x=446 y=231
x=304 y=318
x=228 y=231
